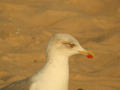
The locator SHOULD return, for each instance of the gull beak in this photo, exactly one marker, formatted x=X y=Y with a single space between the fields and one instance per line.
x=87 y=53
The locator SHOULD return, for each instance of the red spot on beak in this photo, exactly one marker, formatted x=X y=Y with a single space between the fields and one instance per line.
x=90 y=56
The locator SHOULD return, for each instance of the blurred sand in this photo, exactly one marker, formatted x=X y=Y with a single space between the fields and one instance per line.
x=27 y=25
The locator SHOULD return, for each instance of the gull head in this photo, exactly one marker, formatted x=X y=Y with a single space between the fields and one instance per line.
x=67 y=45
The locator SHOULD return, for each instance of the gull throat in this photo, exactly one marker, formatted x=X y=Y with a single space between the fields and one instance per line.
x=55 y=73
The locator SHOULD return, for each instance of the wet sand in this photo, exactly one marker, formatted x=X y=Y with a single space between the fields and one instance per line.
x=27 y=25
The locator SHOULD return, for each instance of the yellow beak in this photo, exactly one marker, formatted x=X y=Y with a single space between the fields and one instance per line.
x=87 y=53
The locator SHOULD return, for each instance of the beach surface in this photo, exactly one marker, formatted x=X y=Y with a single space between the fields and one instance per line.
x=27 y=25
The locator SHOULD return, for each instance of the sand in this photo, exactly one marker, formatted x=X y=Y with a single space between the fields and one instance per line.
x=27 y=25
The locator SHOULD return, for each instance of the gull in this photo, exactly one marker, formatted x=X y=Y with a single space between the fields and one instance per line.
x=54 y=75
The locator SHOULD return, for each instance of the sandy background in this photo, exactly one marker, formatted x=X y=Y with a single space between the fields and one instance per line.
x=27 y=25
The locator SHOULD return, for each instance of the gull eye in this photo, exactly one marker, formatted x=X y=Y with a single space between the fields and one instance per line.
x=71 y=45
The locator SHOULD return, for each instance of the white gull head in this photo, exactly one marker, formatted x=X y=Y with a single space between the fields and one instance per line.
x=65 y=44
